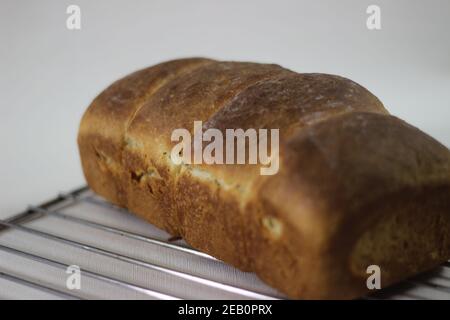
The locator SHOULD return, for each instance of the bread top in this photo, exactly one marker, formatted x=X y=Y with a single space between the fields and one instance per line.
x=339 y=147
x=229 y=95
x=113 y=110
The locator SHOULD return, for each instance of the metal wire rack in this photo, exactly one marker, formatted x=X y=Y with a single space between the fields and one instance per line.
x=122 y=258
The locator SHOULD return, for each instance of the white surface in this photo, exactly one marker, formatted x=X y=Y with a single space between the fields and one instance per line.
x=48 y=74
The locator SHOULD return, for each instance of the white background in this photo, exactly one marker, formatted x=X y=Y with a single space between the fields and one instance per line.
x=49 y=75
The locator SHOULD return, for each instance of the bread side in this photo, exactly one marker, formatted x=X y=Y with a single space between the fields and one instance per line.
x=370 y=190
x=344 y=179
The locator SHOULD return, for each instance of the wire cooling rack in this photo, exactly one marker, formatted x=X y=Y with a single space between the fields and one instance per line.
x=120 y=257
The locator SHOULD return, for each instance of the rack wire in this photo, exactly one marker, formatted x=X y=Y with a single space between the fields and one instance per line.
x=122 y=258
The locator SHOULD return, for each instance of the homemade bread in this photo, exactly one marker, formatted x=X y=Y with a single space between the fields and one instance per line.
x=355 y=187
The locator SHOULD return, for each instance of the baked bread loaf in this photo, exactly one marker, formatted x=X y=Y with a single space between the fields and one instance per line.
x=355 y=187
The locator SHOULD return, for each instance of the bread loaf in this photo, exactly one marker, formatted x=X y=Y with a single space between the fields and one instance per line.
x=355 y=186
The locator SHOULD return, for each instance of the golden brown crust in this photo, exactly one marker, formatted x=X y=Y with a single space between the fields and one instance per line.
x=369 y=183
x=106 y=120
x=351 y=176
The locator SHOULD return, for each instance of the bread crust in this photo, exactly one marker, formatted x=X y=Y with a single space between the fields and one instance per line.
x=356 y=186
